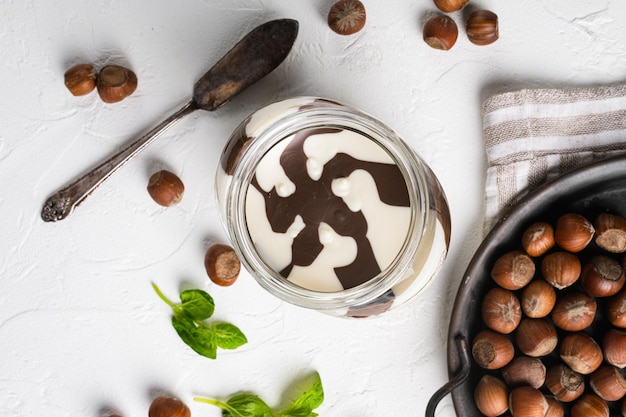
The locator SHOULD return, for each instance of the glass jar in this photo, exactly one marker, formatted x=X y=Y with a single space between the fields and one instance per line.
x=329 y=209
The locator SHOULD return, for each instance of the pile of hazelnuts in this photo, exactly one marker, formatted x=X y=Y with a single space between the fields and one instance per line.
x=441 y=31
x=552 y=340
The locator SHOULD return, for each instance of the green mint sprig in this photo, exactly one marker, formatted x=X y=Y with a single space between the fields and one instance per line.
x=251 y=405
x=188 y=320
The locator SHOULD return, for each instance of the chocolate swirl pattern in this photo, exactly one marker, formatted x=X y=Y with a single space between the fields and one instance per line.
x=318 y=197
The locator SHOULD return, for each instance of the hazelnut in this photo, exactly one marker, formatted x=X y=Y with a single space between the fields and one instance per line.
x=538 y=238
x=590 y=405
x=536 y=337
x=573 y=232
x=574 y=311
x=527 y=401
x=608 y=383
x=482 y=27
x=614 y=347
x=524 y=370
x=581 y=353
x=602 y=276
x=491 y=396
x=616 y=309
x=513 y=270
x=492 y=350
x=565 y=384
x=222 y=264
x=80 y=79
x=165 y=406
x=115 y=83
x=165 y=188
x=450 y=5
x=611 y=232
x=561 y=269
x=347 y=17
x=555 y=408
x=441 y=32
x=538 y=299
x=501 y=310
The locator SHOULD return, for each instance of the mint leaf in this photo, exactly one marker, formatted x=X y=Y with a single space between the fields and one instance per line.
x=198 y=304
x=250 y=405
x=246 y=405
x=228 y=336
x=198 y=338
x=304 y=405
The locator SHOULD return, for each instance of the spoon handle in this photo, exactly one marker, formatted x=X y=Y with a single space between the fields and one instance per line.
x=61 y=204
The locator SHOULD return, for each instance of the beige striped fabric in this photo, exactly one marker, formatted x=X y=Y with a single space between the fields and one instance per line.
x=534 y=135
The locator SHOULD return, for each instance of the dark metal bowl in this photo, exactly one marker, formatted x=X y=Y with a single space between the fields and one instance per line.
x=599 y=187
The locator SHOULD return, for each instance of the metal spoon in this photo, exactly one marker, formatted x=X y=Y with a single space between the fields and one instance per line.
x=255 y=56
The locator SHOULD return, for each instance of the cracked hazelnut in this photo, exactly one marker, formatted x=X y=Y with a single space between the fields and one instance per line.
x=165 y=188
x=482 y=27
x=441 y=32
x=115 y=83
x=222 y=264
x=347 y=17
x=80 y=79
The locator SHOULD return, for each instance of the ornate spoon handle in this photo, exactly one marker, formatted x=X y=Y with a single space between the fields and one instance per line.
x=61 y=204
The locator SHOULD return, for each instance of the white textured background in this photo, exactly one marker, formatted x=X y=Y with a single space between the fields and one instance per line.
x=81 y=329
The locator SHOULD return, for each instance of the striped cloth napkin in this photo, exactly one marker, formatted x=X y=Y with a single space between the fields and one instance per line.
x=534 y=135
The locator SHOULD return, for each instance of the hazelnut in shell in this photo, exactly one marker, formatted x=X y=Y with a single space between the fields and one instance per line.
x=449 y=6
x=590 y=405
x=573 y=232
x=482 y=27
x=500 y=310
x=166 y=188
x=538 y=238
x=80 y=79
x=440 y=32
x=491 y=396
x=611 y=232
x=347 y=17
x=608 y=383
x=513 y=270
x=115 y=83
x=564 y=383
x=614 y=347
x=536 y=337
x=222 y=264
x=602 y=276
x=574 y=311
x=527 y=401
x=561 y=269
x=616 y=309
x=524 y=370
x=555 y=408
x=538 y=299
x=581 y=353
x=492 y=350
x=166 y=406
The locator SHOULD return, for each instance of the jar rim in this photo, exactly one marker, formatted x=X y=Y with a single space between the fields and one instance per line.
x=266 y=135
